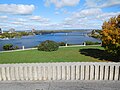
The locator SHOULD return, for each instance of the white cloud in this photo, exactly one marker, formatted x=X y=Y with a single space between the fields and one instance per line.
x=87 y=13
x=57 y=13
x=88 y=18
x=39 y=19
x=65 y=11
x=110 y=3
x=3 y=17
x=107 y=16
x=21 y=20
x=102 y=3
x=62 y=3
x=4 y=26
x=17 y=23
x=16 y=9
x=92 y=11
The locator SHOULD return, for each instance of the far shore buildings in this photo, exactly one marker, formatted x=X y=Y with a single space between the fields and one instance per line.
x=12 y=30
x=33 y=30
x=1 y=31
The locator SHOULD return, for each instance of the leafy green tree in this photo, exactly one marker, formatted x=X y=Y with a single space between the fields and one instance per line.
x=111 y=36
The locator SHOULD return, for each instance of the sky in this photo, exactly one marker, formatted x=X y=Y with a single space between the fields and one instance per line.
x=56 y=14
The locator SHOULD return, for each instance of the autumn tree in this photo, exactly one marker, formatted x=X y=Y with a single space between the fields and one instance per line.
x=111 y=36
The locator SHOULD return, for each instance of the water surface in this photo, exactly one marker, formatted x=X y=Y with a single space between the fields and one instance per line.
x=31 y=41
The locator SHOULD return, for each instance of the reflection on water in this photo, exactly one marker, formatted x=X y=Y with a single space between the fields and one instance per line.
x=31 y=41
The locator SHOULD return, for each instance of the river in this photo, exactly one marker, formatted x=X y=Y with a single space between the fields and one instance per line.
x=31 y=41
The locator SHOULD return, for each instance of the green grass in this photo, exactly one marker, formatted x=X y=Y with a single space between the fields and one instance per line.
x=69 y=54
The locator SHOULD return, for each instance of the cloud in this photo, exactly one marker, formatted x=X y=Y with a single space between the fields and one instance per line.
x=4 y=26
x=92 y=14
x=57 y=13
x=88 y=18
x=62 y=3
x=16 y=8
x=3 y=17
x=107 y=16
x=21 y=20
x=39 y=19
x=102 y=3
x=87 y=12
x=17 y=23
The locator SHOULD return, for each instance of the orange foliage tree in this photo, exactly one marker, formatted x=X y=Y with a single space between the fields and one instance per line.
x=111 y=36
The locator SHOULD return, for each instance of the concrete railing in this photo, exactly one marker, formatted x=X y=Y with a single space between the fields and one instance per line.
x=60 y=71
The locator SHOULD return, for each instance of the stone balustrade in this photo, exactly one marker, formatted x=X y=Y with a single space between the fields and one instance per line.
x=60 y=71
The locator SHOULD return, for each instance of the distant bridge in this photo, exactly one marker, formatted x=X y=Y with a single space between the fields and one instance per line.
x=67 y=34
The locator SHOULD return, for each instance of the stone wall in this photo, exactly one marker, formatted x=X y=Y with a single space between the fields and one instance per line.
x=60 y=71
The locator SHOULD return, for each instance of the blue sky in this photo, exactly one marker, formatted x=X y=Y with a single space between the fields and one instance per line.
x=56 y=14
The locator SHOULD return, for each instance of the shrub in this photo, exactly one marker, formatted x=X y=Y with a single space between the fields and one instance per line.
x=92 y=43
x=61 y=43
x=8 y=47
x=48 y=46
x=16 y=47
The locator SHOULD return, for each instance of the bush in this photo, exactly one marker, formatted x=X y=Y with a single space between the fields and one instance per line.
x=92 y=43
x=61 y=43
x=48 y=46
x=16 y=47
x=8 y=47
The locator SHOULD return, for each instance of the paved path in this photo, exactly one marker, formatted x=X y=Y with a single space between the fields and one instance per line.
x=61 y=85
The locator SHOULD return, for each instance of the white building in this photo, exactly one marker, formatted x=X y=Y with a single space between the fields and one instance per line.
x=1 y=31
x=12 y=30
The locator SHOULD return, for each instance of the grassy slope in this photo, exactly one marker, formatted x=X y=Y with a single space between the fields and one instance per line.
x=69 y=54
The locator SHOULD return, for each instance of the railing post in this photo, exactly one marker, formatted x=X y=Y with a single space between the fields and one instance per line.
x=54 y=73
x=82 y=72
x=116 y=73
x=111 y=72
x=96 y=72
x=30 y=73
x=12 y=73
x=91 y=72
x=101 y=72
x=34 y=73
x=87 y=72
x=0 y=74
x=59 y=73
x=63 y=72
x=17 y=73
x=3 y=74
x=77 y=72
x=25 y=73
x=106 y=73
x=39 y=73
x=73 y=72
x=8 y=73
x=21 y=73
x=50 y=75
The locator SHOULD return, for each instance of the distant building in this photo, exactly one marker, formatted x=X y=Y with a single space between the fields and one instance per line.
x=12 y=30
x=33 y=30
x=1 y=31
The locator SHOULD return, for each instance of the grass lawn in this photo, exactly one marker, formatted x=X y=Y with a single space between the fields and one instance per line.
x=68 y=54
